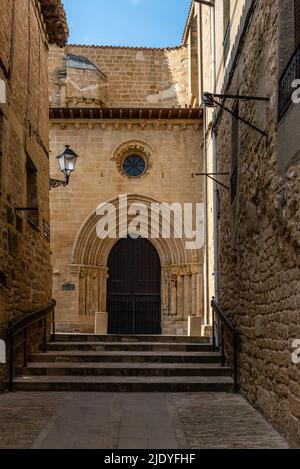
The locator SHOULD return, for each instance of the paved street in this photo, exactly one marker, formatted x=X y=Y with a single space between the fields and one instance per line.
x=132 y=421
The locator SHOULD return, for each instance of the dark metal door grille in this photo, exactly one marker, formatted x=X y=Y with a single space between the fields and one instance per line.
x=134 y=304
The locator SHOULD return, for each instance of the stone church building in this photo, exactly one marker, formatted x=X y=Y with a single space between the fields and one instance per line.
x=148 y=126
x=130 y=115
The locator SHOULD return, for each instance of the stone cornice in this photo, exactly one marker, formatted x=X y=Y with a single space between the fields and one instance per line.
x=55 y=20
x=116 y=118
x=118 y=113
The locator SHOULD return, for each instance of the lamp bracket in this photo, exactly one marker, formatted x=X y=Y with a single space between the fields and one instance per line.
x=54 y=183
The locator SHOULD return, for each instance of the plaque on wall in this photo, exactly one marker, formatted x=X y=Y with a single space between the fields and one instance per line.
x=68 y=287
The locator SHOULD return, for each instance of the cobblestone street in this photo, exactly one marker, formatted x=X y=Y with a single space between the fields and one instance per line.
x=132 y=421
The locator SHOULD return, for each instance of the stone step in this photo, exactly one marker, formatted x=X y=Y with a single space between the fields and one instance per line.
x=126 y=357
x=61 y=337
x=129 y=346
x=126 y=369
x=124 y=384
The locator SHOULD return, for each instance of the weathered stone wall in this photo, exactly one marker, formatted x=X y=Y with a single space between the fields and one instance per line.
x=135 y=76
x=24 y=133
x=259 y=235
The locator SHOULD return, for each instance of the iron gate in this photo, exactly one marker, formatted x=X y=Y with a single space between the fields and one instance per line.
x=134 y=284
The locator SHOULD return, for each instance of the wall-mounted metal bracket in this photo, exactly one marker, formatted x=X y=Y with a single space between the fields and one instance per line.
x=54 y=183
x=210 y=101
x=210 y=176
x=26 y=209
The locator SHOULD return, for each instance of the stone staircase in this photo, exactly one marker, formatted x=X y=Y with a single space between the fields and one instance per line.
x=77 y=362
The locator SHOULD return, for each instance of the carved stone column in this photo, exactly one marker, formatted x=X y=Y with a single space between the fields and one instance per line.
x=194 y=295
x=180 y=309
x=82 y=292
x=187 y=295
x=200 y=298
x=173 y=295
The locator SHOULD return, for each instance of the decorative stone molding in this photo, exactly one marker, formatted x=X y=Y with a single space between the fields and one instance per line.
x=55 y=20
x=133 y=147
x=178 y=126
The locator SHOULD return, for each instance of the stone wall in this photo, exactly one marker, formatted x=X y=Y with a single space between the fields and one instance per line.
x=25 y=270
x=118 y=77
x=135 y=76
x=259 y=235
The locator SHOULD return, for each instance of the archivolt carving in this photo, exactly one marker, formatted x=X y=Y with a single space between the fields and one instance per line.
x=93 y=251
x=181 y=268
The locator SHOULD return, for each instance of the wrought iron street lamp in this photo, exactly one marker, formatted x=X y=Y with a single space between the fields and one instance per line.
x=67 y=163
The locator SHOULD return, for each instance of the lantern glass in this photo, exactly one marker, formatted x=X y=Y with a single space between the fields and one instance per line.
x=67 y=160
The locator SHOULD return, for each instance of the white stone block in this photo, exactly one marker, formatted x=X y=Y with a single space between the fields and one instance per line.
x=2 y=352
x=194 y=326
x=2 y=92
x=101 y=323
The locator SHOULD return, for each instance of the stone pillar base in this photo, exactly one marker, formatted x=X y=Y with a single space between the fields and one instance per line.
x=194 y=326
x=206 y=331
x=101 y=323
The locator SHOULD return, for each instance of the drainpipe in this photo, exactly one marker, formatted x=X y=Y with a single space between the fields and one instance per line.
x=214 y=156
x=211 y=4
x=206 y=251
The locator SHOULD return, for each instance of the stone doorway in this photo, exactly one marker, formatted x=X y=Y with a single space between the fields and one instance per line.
x=134 y=288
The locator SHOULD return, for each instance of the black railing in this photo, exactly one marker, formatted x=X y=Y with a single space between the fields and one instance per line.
x=30 y=331
x=221 y=322
x=285 y=88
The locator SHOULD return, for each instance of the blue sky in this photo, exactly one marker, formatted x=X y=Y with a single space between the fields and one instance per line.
x=149 y=23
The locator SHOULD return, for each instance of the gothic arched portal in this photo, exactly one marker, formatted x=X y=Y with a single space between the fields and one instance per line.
x=181 y=273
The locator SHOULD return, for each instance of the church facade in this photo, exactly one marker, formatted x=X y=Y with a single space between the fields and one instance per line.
x=131 y=116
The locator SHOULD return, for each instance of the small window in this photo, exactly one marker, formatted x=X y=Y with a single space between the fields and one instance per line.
x=226 y=26
x=19 y=224
x=235 y=131
x=134 y=166
x=82 y=63
x=32 y=193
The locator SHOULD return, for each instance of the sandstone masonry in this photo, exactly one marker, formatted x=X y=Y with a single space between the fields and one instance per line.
x=107 y=102
x=25 y=271
x=259 y=218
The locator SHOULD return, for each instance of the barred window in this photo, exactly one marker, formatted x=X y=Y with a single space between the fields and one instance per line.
x=32 y=193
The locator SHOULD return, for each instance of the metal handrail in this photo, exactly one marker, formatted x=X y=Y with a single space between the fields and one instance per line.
x=224 y=322
x=19 y=337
